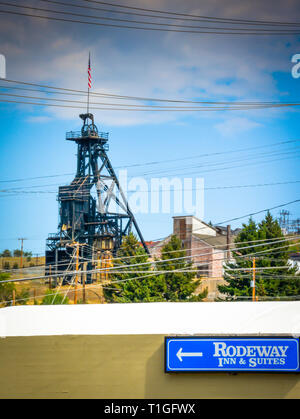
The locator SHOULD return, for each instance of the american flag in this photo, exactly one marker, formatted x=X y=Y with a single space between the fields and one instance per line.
x=89 y=74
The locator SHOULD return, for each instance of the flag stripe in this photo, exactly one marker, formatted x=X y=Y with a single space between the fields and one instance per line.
x=89 y=75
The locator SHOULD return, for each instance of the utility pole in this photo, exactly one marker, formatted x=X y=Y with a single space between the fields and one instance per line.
x=77 y=244
x=228 y=234
x=76 y=278
x=83 y=282
x=22 y=240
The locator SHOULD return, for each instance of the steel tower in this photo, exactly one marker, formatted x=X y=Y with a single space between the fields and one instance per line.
x=93 y=209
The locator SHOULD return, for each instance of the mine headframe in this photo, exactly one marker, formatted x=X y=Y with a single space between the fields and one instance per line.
x=93 y=209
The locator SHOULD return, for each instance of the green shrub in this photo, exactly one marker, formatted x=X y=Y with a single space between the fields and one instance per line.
x=52 y=298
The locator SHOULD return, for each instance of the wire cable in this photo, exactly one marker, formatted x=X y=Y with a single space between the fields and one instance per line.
x=213 y=32
x=193 y=15
x=181 y=18
x=111 y=269
x=163 y=161
x=147 y=99
x=153 y=23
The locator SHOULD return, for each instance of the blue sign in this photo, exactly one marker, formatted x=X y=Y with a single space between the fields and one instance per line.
x=236 y=354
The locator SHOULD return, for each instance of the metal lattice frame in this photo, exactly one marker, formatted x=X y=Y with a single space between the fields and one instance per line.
x=93 y=208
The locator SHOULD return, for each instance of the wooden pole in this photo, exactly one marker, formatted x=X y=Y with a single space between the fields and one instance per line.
x=105 y=266
x=50 y=277
x=21 y=253
x=57 y=279
x=76 y=278
x=102 y=277
x=22 y=240
x=83 y=282
x=253 y=280
x=228 y=234
x=99 y=265
x=14 y=297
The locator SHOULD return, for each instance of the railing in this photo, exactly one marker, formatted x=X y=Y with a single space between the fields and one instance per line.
x=78 y=134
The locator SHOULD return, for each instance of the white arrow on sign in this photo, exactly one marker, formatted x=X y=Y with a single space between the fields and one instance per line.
x=181 y=354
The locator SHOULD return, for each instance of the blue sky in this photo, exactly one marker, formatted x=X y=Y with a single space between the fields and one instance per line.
x=179 y=66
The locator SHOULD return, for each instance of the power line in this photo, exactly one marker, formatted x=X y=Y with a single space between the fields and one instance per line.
x=181 y=18
x=154 y=107
x=161 y=161
x=90 y=287
x=257 y=243
x=243 y=29
x=244 y=216
x=261 y=211
x=113 y=282
x=149 y=99
x=165 y=161
x=111 y=269
x=192 y=15
x=94 y=249
x=212 y=32
x=250 y=157
x=15 y=192
x=127 y=279
x=160 y=171
x=204 y=109
x=200 y=171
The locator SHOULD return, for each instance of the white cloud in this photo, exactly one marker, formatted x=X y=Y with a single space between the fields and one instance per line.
x=39 y=119
x=233 y=126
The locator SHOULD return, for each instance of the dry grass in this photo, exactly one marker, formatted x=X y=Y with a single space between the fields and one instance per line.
x=13 y=261
x=38 y=288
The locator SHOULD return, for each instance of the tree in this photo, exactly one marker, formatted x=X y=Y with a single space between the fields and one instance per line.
x=28 y=256
x=141 y=281
x=253 y=241
x=282 y=281
x=6 y=292
x=6 y=289
x=178 y=286
x=135 y=283
x=6 y=253
x=17 y=253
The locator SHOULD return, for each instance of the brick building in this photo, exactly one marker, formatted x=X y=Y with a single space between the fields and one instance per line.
x=207 y=245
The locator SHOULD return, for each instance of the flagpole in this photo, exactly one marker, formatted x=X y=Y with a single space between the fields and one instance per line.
x=89 y=83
